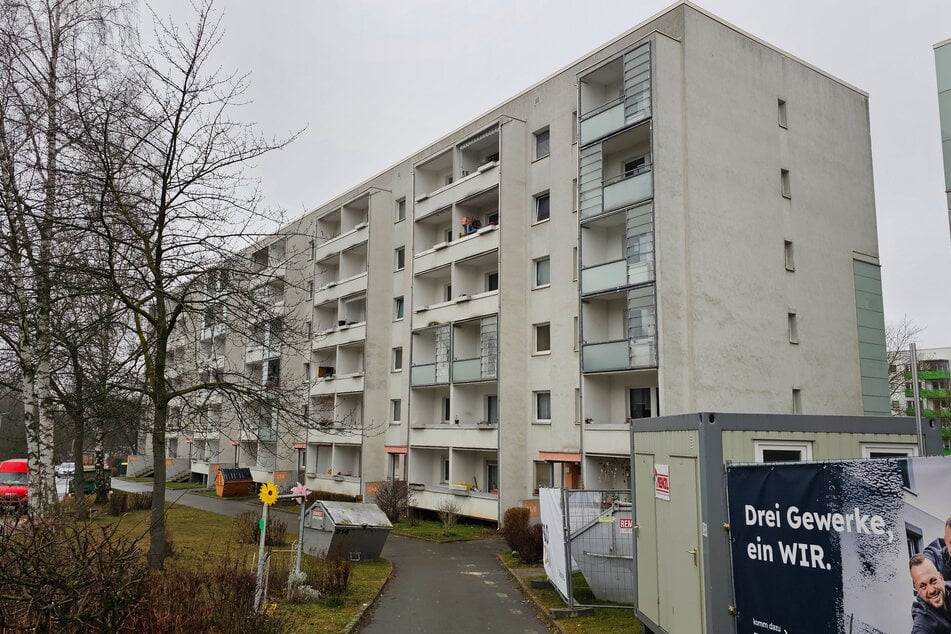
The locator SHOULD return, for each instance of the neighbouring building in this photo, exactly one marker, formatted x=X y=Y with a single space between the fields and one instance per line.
x=934 y=388
x=681 y=221
x=942 y=62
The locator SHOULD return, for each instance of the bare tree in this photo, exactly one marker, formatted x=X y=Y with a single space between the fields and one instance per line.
x=174 y=207
x=898 y=336
x=47 y=52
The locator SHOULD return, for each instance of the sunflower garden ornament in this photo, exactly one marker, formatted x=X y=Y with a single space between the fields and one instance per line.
x=268 y=493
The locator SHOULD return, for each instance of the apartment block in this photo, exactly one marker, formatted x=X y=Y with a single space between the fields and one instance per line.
x=934 y=388
x=681 y=221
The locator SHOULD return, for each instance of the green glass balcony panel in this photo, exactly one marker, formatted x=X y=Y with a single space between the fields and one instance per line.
x=422 y=375
x=467 y=370
x=267 y=434
x=602 y=124
x=930 y=375
x=628 y=191
x=613 y=355
x=603 y=277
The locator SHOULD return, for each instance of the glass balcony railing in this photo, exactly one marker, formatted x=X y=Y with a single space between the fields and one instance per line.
x=423 y=375
x=602 y=122
x=615 y=274
x=619 y=355
x=930 y=375
x=628 y=190
x=267 y=434
x=465 y=370
x=939 y=393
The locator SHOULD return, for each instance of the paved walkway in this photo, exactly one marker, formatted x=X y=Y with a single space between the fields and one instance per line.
x=456 y=587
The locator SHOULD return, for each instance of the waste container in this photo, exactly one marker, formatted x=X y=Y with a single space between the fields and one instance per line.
x=345 y=530
x=233 y=482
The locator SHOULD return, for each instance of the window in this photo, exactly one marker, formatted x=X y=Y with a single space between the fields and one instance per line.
x=574 y=195
x=397 y=359
x=543 y=338
x=640 y=402
x=492 y=409
x=543 y=406
x=398 y=308
x=542 y=143
x=445 y=470
x=542 y=207
x=782 y=113
x=400 y=209
x=784 y=183
x=310 y=290
x=574 y=332
x=796 y=401
x=789 y=255
x=447 y=293
x=492 y=281
x=396 y=407
x=312 y=247
x=543 y=475
x=888 y=451
x=542 y=272
x=793 y=328
x=400 y=258
x=491 y=475
x=782 y=451
x=634 y=165
x=574 y=126
x=446 y=410
x=574 y=264
x=306 y=373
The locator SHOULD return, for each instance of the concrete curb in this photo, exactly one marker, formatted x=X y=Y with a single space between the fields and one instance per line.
x=541 y=610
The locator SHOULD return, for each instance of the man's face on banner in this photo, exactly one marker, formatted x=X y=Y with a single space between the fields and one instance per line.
x=929 y=584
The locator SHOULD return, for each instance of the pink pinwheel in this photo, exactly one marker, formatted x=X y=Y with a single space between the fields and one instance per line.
x=301 y=490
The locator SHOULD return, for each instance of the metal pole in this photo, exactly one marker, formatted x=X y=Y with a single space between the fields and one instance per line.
x=567 y=529
x=300 y=534
x=260 y=578
x=913 y=353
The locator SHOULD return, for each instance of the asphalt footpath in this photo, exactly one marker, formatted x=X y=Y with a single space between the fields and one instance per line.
x=457 y=587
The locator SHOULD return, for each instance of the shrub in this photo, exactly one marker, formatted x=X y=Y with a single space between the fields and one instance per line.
x=330 y=577
x=248 y=531
x=394 y=498
x=448 y=514
x=60 y=575
x=200 y=600
x=139 y=501
x=118 y=503
x=514 y=524
x=531 y=545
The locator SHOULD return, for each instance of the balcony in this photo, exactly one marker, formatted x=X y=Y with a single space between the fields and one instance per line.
x=929 y=394
x=619 y=355
x=626 y=190
x=338 y=384
x=356 y=236
x=341 y=288
x=602 y=121
x=607 y=438
x=462 y=308
x=485 y=177
x=340 y=335
x=615 y=275
x=484 y=240
x=930 y=375
x=479 y=505
x=471 y=436
x=267 y=434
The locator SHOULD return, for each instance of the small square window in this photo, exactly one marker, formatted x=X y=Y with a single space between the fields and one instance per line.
x=784 y=183
x=782 y=113
x=542 y=272
x=542 y=143
x=543 y=407
x=640 y=402
x=396 y=406
x=398 y=308
x=542 y=207
x=793 y=328
x=492 y=281
x=543 y=338
x=782 y=451
x=397 y=359
x=789 y=256
x=400 y=209
x=400 y=258
x=796 y=401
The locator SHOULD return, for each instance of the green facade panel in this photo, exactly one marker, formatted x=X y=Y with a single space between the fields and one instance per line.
x=870 y=321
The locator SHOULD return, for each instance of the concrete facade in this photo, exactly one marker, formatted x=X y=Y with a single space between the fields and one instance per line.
x=671 y=224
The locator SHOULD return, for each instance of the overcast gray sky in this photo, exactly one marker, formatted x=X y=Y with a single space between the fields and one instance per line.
x=375 y=81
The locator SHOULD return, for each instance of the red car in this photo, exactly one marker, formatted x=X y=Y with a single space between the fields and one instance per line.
x=14 y=481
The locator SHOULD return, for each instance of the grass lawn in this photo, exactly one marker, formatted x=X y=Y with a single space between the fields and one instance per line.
x=169 y=485
x=433 y=531
x=199 y=536
x=602 y=620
